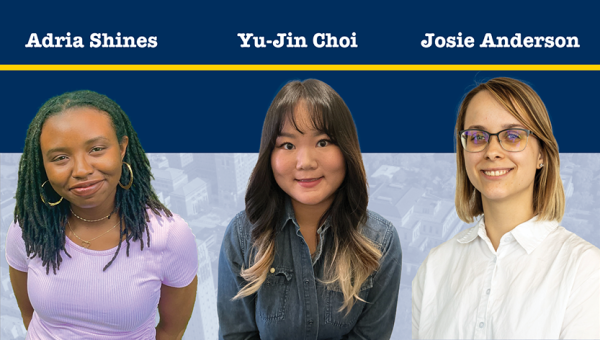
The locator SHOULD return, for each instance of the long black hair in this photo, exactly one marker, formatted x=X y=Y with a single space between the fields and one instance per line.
x=43 y=226
x=353 y=257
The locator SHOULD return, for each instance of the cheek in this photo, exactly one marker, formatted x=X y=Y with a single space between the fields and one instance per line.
x=470 y=164
x=112 y=165
x=279 y=163
x=528 y=167
x=57 y=177
x=336 y=164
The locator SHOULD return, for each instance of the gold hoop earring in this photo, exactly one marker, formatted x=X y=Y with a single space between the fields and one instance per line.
x=49 y=203
x=126 y=187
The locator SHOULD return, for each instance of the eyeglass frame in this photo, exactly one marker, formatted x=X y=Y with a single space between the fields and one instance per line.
x=529 y=132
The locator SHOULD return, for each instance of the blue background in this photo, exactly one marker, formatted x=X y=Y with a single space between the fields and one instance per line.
x=224 y=111
x=206 y=111
x=388 y=33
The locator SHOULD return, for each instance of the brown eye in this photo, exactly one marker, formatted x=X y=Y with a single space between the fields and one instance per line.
x=287 y=146
x=58 y=158
x=323 y=143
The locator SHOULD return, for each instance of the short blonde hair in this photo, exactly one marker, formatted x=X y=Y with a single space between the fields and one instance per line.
x=527 y=107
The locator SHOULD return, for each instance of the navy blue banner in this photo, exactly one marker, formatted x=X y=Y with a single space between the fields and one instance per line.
x=217 y=111
x=224 y=111
x=203 y=32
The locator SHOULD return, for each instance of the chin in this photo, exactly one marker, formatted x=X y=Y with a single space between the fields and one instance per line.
x=309 y=200
x=495 y=194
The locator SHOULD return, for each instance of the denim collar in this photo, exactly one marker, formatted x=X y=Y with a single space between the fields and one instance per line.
x=528 y=234
x=288 y=214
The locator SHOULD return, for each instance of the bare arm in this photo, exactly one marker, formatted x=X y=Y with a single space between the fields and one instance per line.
x=175 y=308
x=18 y=281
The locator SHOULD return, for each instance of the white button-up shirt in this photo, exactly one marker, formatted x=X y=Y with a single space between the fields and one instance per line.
x=543 y=282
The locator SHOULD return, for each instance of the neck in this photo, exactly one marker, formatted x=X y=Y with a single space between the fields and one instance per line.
x=503 y=216
x=94 y=213
x=308 y=216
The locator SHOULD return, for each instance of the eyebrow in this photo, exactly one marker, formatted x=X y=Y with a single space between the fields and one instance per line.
x=89 y=141
x=316 y=133
x=97 y=139
x=504 y=127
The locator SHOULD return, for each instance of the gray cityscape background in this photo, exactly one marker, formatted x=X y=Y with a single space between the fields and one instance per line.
x=414 y=191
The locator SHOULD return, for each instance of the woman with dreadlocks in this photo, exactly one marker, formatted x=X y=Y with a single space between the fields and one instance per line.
x=83 y=193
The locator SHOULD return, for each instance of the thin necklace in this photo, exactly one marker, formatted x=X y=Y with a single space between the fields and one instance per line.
x=83 y=219
x=87 y=244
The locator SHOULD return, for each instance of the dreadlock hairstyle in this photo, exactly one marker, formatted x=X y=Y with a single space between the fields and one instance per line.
x=353 y=257
x=43 y=226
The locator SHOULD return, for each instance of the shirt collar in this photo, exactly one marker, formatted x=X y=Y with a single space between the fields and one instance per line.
x=471 y=233
x=531 y=233
x=528 y=234
x=288 y=214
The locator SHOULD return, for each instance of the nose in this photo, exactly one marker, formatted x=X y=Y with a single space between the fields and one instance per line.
x=305 y=159
x=494 y=149
x=81 y=168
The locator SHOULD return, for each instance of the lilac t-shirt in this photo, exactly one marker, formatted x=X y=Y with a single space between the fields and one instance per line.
x=83 y=302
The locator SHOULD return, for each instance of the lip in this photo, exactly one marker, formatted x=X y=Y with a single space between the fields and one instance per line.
x=309 y=182
x=86 y=188
x=508 y=170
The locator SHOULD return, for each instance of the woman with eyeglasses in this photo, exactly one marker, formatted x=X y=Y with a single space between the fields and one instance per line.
x=517 y=273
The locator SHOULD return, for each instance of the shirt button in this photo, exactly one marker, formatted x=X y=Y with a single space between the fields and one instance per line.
x=487 y=291
x=481 y=325
x=306 y=282
x=272 y=270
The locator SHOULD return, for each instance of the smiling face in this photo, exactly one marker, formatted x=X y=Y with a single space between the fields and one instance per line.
x=497 y=174
x=307 y=166
x=83 y=158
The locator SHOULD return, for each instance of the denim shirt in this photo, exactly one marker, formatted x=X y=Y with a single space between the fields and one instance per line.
x=292 y=303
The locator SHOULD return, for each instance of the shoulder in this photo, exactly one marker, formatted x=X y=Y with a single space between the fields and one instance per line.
x=577 y=247
x=163 y=222
x=14 y=230
x=446 y=251
x=163 y=228
x=15 y=252
x=14 y=236
x=238 y=232
x=379 y=230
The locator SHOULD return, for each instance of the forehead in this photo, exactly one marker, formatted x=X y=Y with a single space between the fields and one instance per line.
x=302 y=120
x=74 y=124
x=485 y=111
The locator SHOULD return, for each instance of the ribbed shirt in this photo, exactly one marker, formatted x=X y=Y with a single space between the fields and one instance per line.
x=543 y=282
x=83 y=302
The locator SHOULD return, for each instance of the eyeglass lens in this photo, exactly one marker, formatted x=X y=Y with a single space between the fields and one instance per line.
x=511 y=140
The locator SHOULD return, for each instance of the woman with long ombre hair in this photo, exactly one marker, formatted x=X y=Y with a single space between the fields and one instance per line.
x=306 y=259
x=517 y=274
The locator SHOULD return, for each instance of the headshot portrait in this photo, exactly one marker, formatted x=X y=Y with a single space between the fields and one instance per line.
x=306 y=259
x=92 y=251
x=517 y=273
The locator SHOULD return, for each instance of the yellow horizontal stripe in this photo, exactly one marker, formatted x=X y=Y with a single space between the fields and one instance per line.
x=242 y=67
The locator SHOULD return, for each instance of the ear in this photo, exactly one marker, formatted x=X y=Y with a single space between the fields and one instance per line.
x=123 y=146
x=540 y=160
